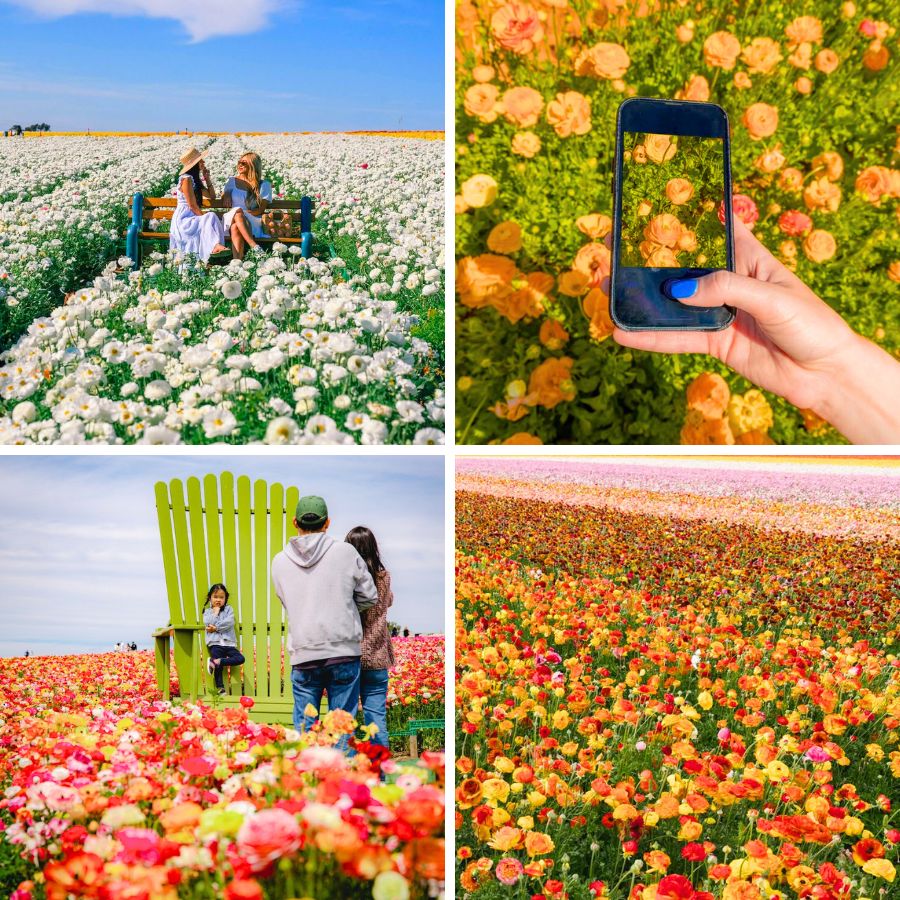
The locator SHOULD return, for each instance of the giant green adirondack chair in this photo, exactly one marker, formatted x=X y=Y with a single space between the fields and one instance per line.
x=226 y=530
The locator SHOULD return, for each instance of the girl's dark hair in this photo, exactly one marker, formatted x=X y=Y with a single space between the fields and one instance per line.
x=367 y=547
x=212 y=590
x=194 y=173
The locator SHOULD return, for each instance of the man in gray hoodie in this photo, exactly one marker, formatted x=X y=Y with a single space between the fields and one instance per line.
x=323 y=585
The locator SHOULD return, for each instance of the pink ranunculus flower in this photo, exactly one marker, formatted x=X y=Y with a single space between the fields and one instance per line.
x=724 y=734
x=267 y=836
x=817 y=754
x=794 y=222
x=745 y=209
x=321 y=759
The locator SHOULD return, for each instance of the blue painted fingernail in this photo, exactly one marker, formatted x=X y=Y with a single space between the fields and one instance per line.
x=681 y=290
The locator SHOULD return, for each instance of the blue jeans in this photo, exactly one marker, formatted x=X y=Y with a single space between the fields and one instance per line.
x=341 y=682
x=373 y=689
x=227 y=656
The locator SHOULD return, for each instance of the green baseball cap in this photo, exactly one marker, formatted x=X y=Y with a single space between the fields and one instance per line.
x=311 y=512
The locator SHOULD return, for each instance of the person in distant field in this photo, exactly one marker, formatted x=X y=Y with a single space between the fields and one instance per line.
x=377 y=650
x=323 y=585
x=133 y=645
x=405 y=632
x=249 y=197
x=221 y=640
x=27 y=654
x=194 y=231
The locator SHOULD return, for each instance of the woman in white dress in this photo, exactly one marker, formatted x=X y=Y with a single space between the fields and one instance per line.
x=249 y=197
x=192 y=230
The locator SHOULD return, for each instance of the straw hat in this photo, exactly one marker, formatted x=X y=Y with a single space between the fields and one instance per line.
x=190 y=159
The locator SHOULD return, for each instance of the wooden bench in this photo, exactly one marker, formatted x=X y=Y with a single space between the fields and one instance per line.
x=146 y=209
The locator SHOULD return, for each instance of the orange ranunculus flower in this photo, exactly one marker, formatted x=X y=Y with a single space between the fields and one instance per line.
x=482 y=73
x=662 y=257
x=697 y=89
x=596 y=308
x=657 y=861
x=822 y=194
x=679 y=190
x=527 y=300
x=480 y=101
x=552 y=335
x=522 y=106
x=594 y=225
x=685 y=32
x=827 y=61
x=593 y=260
x=573 y=283
x=760 y=120
x=687 y=241
x=538 y=844
x=181 y=817
x=876 y=182
x=866 y=849
x=485 y=279
x=664 y=229
x=876 y=56
x=761 y=55
x=551 y=382
x=721 y=50
x=819 y=245
x=801 y=57
x=505 y=237
x=603 y=60
x=804 y=28
x=709 y=394
x=469 y=793
x=770 y=161
x=570 y=113
x=831 y=162
x=893 y=271
x=699 y=430
x=790 y=180
x=523 y=438
x=742 y=81
x=516 y=27
x=803 y=86
x=507 y=838
x=660 y=148
x=526 y=143
x=479 y=190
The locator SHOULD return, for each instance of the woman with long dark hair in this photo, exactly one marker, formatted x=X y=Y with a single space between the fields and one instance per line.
x=192 y=230
x=377 y=651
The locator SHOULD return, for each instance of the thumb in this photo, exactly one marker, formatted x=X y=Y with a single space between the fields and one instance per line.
x=766 y=302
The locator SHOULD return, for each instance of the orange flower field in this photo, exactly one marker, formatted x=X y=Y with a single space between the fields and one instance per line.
x=677 y=682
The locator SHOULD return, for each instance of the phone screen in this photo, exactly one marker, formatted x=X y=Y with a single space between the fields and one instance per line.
x=671 y=207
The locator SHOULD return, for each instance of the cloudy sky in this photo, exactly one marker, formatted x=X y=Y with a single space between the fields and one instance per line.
x=80 y=561
x=222 y=65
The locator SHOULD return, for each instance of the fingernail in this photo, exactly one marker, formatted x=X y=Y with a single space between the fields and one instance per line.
x=681 y=290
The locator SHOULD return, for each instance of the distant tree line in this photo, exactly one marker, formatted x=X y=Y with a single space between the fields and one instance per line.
x=18 y=129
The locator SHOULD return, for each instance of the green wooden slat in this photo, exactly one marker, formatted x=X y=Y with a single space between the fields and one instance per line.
x=261 y=584
x=213 y=531
x=183 y=552
x=276 y=543
x=245 y=554
x=167 y=541
x=292 y=495
x=198 y=543
x=230 y=555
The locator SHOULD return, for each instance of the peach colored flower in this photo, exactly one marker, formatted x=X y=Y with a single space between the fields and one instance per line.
x=761 y=55
x=593 y=260
x=523 y=438
x=742 y=81
x=696 y=89
x=699 y=430
x=527 y=300
x=893 y=271
x=804 y=28
x=479 y=190
x=831 y=162
x=522 y=106
x=482 y=73
x=482 y=280
x=644 y=208
x=876 y=56
x=801 y=57
x=822 y=194
x=594 y=225
x=573 y=283
x=770 y=161
x=603 y=60
x=803 y=86
x=639 y=154
x=570 y=113
x=679 y=190
x=687 y=241
x=760 y=120
x=516 y=27
x=459 y=205
x=660 y=148
x=685 y=32
x=819 y=245
x=709 y=394
x=664 y=229
x=505 y=237
x=552 y=335
x=551 y=383
x=596 y=308
x=480 y=101
x=662 y=258
x=827 y=61
x=721 y=49
x=527 y=144
x=794 y=223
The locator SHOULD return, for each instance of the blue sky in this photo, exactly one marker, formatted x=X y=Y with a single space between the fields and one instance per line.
x=80 y=561
x=222 y=65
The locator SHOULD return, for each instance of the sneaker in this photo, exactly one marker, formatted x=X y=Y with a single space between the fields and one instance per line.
x=210 y=666
x=222 y=691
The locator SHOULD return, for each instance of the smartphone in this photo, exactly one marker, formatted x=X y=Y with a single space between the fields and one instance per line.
x=671 y=214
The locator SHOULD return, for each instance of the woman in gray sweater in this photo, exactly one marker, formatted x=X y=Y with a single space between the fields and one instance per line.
x=221 y=640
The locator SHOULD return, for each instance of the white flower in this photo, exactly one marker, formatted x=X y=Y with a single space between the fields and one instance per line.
x=231 y=290
x=321 y=426
x=410 y=411
x=429 y=436
x=157 y=390
x=160 y=434
x=356 y=421
x=218 y=422
x=282 y=430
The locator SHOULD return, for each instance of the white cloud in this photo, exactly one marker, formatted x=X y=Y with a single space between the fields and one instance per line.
x=202 y=19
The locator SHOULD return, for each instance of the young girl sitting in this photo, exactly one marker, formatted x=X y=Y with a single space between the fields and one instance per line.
x=221 y=641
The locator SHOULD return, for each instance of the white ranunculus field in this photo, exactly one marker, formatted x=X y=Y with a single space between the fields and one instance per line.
x=344 y=347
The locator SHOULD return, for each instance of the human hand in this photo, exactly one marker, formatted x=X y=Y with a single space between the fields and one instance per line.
x=210 y=628
x=788 y=341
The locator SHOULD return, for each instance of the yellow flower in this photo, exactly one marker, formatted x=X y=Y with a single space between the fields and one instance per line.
x=880 y=868
x=705 y=700
x=480 y=190
x=561 y=719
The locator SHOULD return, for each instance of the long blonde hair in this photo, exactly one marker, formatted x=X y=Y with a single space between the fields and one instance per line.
x=254 y=176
